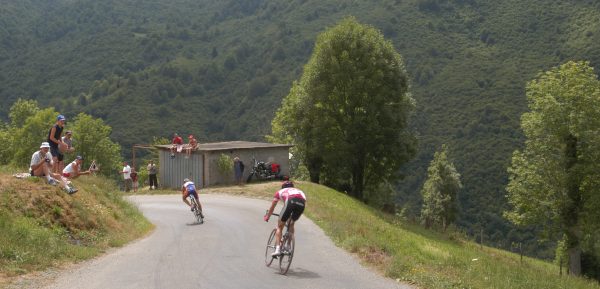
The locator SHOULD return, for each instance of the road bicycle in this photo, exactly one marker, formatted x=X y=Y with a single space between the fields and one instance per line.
x=287 y=248
x=196 y=210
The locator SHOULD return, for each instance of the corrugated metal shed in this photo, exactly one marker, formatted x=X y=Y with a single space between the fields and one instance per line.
x=173 y=171
x=201 y=167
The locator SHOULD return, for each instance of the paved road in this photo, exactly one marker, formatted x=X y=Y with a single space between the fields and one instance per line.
x=227 y=251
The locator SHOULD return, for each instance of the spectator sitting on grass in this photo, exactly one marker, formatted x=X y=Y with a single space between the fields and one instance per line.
x=41 y=165
x=72 y=171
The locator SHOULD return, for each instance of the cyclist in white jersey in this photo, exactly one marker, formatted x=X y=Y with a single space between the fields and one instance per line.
x=294 y=202
x=187 y=189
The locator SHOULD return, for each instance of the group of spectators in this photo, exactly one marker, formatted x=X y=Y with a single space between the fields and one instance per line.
x=130 y=176
x=48 y=162
x=178 y=146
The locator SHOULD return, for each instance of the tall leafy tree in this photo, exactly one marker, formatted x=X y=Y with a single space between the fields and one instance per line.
x=93 y=143
x=555 y=179
x=26 y=139
x=20 y=143
x=440 y=191
x=348 y=113
x=21 y=110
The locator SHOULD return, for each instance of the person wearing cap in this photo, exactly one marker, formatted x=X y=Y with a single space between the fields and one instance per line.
x=41 y=164
x=72 y=171
x=55 y=140
x=68 y=148
x=68 y=140
x=191 y=146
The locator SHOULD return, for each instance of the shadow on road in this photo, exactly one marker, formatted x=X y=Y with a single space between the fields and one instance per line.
x=301 y=273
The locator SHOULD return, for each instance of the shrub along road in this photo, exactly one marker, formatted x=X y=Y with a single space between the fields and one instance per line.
x=227 y=251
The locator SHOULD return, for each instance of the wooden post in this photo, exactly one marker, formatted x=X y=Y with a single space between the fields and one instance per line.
x=521 y=251
x=133 y=156
x=481 y=238
x=560 y=266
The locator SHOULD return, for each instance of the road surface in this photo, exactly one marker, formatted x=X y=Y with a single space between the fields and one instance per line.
x=227 y=251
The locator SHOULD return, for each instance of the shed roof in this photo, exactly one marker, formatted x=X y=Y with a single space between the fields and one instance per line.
x=229 y=145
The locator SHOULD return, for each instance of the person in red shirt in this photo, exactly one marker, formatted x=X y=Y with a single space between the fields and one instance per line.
x=294 y=201
x=134 y=179
x=275 y=169
x=177 y=144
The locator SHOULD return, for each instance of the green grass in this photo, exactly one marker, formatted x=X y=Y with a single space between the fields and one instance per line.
x=34 y=238
x=423 y=257
x=41 y=226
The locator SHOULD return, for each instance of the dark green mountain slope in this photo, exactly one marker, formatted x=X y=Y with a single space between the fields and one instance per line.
x=219 y=69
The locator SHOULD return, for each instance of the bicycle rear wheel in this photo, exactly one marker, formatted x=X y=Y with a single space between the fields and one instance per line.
x=270 y=248
x=197 y=212
x=285 y=260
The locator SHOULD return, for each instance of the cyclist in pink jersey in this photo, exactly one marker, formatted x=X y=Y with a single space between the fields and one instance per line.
x=294 y=202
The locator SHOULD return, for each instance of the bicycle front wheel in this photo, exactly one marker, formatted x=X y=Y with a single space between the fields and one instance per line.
x=285 y=260
x=270 y=248
x=196 y=211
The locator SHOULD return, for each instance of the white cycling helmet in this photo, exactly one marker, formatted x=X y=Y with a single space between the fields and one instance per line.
x=186 y=180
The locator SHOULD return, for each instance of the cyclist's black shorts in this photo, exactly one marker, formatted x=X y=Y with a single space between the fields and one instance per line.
x=293 y=207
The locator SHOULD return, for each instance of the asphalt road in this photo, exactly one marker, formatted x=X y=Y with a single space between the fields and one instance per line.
x=227 y=251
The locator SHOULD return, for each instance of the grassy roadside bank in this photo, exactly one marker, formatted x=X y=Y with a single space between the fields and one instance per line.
x=398 y=250
x=41 y=226
x=409 y=252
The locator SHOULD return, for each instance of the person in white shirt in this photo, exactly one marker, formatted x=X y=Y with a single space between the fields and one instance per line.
x=41 y=164
x=127 y=176
x=73 y=170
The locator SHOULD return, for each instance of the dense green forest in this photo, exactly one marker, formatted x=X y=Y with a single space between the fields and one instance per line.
x=219 y=70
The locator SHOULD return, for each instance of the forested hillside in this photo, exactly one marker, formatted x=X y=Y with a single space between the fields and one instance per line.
x=219 y=69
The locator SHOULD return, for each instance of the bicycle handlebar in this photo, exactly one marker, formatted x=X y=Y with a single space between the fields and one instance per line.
x=274 y=214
